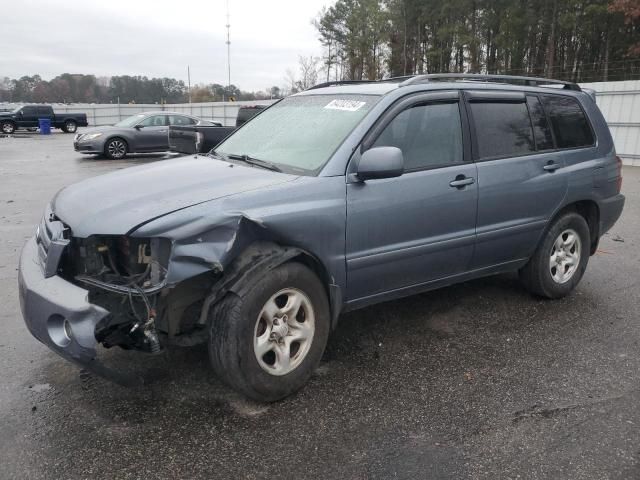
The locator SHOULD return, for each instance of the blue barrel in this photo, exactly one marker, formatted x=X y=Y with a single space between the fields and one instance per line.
x=45 y=126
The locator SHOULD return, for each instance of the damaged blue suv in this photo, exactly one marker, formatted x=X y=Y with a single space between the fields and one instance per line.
x=342 y=196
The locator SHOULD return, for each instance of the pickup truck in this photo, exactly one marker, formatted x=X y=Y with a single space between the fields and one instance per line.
x=27 y=117
x=200 y=138
x=196 y=138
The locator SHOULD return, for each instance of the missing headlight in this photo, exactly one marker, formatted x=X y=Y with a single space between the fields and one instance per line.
x=122 y=264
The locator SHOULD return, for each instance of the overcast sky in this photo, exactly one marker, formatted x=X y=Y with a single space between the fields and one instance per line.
x=159 y=38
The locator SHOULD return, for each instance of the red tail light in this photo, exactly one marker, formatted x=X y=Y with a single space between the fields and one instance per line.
x=619 y=161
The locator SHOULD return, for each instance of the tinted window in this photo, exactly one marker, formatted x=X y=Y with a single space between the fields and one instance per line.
x=428 y=135
x=569 y=123
x=502 y=129
x=29 y=110
x=246 y=113
x=181 y=120
x=541 y=130
x=154 y=121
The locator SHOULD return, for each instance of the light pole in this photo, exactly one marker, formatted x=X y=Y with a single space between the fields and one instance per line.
x=228 y=52
x=189 y=81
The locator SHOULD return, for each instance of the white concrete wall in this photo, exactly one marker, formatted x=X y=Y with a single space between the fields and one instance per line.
x=619 y=102
x=108 y=114
x=620 y=105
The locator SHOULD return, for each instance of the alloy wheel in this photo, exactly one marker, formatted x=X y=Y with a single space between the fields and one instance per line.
x=565 y=256
x=284 y=331
x=116 y=149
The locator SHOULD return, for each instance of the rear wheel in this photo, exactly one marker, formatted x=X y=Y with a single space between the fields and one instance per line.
x=70 y=126
x=7 y=127
x=559 y=262
x=267 y=343
x=115 y=148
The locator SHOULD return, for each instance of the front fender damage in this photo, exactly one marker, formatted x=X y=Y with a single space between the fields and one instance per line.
x=208 y=262
x=209 y=258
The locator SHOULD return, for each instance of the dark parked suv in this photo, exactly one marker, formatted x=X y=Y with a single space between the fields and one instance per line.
x=336 y=198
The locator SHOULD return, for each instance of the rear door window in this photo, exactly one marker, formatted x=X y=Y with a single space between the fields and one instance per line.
x=570 y=125
x=181 y=120
x=503 y=129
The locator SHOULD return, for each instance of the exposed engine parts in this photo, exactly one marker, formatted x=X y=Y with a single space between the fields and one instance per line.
x=126 y=274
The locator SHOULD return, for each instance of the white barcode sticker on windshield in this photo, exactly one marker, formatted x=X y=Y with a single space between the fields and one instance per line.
x=348 y=105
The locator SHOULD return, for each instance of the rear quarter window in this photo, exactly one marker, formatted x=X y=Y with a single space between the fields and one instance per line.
x=569 y=122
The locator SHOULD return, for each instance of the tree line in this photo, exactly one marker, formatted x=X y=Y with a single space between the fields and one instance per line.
x=80 y=88
x=576 y=40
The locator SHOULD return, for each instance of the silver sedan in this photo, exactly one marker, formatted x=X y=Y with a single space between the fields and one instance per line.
x=141 y=133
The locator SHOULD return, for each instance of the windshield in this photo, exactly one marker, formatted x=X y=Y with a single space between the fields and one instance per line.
x=130 y=121
x=17 y=109
x=299 y=134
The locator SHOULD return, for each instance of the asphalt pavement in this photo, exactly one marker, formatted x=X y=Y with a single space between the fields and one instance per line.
x=475 y=381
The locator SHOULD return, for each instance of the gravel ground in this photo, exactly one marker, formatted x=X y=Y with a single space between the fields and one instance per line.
x=475 y=381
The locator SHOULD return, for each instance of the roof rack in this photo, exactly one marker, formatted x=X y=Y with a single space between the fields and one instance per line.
x=355 y=82
x=515 y=80
x=340 y=82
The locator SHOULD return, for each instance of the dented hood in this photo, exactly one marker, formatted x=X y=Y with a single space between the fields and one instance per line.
x=119 y=202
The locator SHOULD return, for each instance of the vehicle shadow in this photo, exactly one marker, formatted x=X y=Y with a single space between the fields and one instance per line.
x=362 y=338
x=430 y=357
x=131 y=159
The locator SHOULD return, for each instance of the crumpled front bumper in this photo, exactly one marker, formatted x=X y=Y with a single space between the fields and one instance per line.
x=59 y=314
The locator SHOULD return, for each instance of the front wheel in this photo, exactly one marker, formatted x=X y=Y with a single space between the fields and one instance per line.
x=560 y=260
x=7 y=127
x=115 y=149
x=70 y=126
x=267 y=343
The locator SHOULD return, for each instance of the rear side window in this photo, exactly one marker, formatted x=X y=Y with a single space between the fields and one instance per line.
x=245 y=114
x=502 y=129
x=541 y=129
x=181 y=120
x=428 y=135
x=569 y=123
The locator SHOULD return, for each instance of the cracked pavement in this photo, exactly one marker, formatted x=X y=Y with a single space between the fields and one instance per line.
x=475 y=381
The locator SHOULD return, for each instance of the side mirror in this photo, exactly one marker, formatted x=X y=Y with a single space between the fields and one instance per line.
x=138 y=127
x=380 y=162
x=20 y=113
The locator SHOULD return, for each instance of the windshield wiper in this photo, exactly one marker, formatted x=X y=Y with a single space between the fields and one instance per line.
x=254 y=161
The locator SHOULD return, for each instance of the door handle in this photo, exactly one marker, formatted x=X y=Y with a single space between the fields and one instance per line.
x=461 y=181
x=551 y=166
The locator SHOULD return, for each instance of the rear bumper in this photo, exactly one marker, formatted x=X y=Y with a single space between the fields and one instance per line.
x=59 y=314
x=610 y=211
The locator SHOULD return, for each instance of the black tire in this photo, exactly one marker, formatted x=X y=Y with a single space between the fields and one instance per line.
x=70 y=126
x=234 y=328
x=538 y=274
x=116 y=148
x=7 y=127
